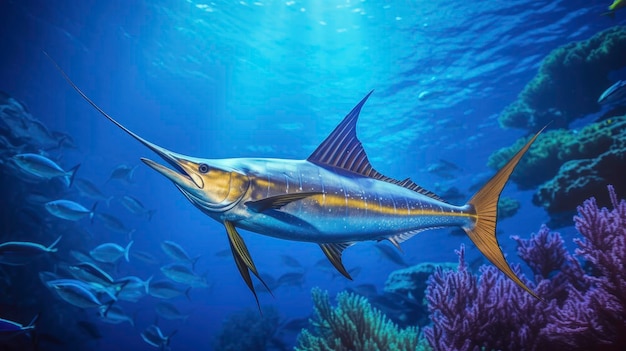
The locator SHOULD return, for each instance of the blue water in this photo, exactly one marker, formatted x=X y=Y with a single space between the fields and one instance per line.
x=272 y=79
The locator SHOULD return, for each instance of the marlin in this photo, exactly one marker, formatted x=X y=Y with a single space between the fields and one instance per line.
x=333 y=198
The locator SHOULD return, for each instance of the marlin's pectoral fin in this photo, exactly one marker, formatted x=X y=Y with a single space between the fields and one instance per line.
x=278 y=201
x=242 y=259
x=333 y=253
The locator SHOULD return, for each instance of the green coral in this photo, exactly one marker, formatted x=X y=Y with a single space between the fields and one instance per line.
x=540 y=162
x=569 y=81
x=354 y=325
x=507 y=207
x=568 y=166
x=555 y=147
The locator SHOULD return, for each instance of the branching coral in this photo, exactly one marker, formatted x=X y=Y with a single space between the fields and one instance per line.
x=596 y=317
x=582 y=309
x=354 y=326
x=469 y=313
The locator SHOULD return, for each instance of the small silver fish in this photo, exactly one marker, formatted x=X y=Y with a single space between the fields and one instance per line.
x=616 y=93
x=91 y=273
x=291 y=279
x=134 y=288
x=134 y=206
x=154 y=337
x=164 y=289
x=114 y=224
x=114 y=314
x=10 y=329
x=169 y=311
x=44 y=168
x=75 y=292
x=40 y=134
x=182 y=274
x=90 y=190
x=176 y=252
x=111 y=252
x=17 y=253
x=122 y=173
x=69 y=210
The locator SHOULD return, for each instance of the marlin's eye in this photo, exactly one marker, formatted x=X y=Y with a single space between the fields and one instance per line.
x=203 y=168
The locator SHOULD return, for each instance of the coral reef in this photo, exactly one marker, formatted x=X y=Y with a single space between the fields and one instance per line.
x=568 y=83
x=570 y=166
x=541 y=161
x=507 y=207
x=579 y=178
x=248 y=330
x=584 y=294
x=409 y=285
x=353 y=325
x=594 y=317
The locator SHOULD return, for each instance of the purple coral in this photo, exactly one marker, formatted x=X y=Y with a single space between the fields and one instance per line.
x=595 y=318
x=583 y=309
x=486 y=312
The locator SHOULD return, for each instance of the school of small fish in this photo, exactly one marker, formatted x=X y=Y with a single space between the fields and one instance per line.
x=58 y=203
x=88 y=272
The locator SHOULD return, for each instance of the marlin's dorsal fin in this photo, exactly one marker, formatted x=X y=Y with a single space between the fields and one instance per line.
x=243 y=260
x=342 y=149
x=333 y=253
x=278 y=201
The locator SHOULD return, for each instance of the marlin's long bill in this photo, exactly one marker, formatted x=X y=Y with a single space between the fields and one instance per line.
x=334 y=198
x=167 y=155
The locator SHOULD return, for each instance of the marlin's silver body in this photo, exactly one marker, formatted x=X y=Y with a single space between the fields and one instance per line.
x=350 y=207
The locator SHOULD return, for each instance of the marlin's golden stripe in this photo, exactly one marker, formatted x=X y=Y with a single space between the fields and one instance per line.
x=334 y=198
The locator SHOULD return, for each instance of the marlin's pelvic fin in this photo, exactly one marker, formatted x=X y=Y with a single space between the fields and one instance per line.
x=333 y=252
x=243 y=260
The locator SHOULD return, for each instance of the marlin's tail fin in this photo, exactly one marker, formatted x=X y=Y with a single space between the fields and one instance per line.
x=485 y=205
